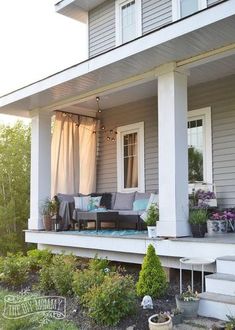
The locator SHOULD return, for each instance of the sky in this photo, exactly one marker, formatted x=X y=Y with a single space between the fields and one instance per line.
x=36 y=42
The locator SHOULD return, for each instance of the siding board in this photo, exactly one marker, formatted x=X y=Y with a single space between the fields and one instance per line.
x=102 y=28
x=155 y=14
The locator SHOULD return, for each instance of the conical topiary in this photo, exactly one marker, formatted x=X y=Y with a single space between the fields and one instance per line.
x=152 y=278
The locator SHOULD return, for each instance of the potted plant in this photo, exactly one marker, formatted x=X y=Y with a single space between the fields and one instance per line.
x=198 y=221
x=206 y=197
x=218 y=222
x=49 y=209
x=161 y=321
x=188 y=302
x=176 y=316
x=151 y=220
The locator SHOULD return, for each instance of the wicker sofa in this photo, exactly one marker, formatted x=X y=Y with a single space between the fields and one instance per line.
x=123 y=203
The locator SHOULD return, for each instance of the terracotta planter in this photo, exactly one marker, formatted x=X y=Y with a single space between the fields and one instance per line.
x=47 y=222
x=217 y=227
x=162 y=326
x=188 y=308
x=198 y=230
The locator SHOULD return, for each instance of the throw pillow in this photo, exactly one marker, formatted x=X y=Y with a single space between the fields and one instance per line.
x=81 y=203
x=124 y=201
x=105 y=200
x=94 y=203
x=140 y=204
x=66 y=197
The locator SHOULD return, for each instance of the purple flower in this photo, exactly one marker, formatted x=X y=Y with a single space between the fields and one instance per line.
x=205 y=195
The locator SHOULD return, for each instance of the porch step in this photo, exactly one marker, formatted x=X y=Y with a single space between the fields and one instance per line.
x=221 y=283
x=226 y=265
x=216 y=305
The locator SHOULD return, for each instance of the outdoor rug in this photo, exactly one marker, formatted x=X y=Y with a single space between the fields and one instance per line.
x=106 y=232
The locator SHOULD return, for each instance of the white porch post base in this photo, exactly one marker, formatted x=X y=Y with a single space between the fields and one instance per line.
x=40 y=167
x=173 y=154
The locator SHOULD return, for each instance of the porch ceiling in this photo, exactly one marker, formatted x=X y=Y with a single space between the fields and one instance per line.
x=171 y=43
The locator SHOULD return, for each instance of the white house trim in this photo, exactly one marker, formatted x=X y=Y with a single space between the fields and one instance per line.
x=128 y=129
x=176 y=13
x=118 y=20
x=205 y=114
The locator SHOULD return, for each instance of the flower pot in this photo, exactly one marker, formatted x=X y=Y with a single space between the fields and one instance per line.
x=47 y=222
x=152 y=231
x=188 y=308
x=177 y=319
x=217 y=227
x=198 y=230
x=163 y=326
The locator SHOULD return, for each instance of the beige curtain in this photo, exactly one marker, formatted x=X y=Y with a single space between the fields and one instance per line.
x=73 y=155
x=132 y=162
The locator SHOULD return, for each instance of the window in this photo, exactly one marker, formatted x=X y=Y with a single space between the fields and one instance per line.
x=199 y=145
x=130 y=157
x=183 y=8
x=128 y=20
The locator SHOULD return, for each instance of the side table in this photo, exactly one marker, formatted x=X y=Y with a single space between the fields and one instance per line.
x=192 y=262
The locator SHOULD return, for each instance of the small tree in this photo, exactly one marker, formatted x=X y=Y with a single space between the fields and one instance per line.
x=152 y=278
x=152 y=215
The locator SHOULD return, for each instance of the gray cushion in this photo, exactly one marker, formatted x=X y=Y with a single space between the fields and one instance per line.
x=142 y=195
x=66 y=197
x=124 y=201
x=130 y=212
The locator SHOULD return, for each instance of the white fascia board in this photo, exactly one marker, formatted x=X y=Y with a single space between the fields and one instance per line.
x=180 y=28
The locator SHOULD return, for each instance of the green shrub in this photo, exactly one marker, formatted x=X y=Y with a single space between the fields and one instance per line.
x=94 y=275
x=152 y=278
x=63 y=268
x=113 y=299
x=45 y=279
x=37 y=258
x=14 y=269
x=86 y=279
x=98 y=264
x=58 y=274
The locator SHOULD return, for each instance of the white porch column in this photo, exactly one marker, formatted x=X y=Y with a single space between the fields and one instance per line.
x=40 y=185
x=173 y=154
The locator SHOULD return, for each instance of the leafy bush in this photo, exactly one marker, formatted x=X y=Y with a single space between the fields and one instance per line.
x=152 y=278
x=37 y=258
x=63 y=268
x=14 y=269
x=58 y=274
x=84 y=280
x=113 y=299
x=45 y=278
x=98 y=264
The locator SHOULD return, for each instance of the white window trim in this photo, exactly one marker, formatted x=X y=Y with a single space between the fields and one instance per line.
x=128 y=129
x=205 y=113
x=176 y=14
x=118 y=25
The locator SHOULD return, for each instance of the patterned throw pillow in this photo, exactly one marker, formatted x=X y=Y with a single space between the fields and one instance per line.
x=82 y=203
x=94 y=203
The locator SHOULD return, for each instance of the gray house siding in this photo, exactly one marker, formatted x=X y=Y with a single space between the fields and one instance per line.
x=102 y=28
x=219 y=95
x=211 y=2
x=155 y=14
x=145 y=110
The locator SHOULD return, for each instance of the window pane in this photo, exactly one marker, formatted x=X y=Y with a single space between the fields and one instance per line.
x=195 y=150
x=128 y=21
x=188 y=7
x=130 y=160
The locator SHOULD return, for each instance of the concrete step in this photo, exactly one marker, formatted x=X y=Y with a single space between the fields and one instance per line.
x=226 y=265
x=221 y=283
x=216 y=305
